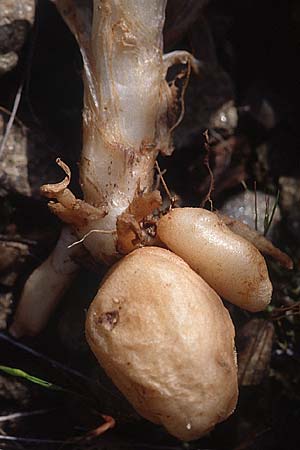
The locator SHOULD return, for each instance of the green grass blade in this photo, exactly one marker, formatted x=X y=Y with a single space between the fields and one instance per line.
x=48 y=385
x=21 y=374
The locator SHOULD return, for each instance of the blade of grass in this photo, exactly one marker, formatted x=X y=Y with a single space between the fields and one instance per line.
x=267 y=212
x=46 y=384
x=109 y=422
x=45 y=358
x=21 y=374
x=255 y=207
x=268 y=224
x=65 y=369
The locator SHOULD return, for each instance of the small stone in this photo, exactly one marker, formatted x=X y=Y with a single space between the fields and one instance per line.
x=16 y=18
x=290 y=206
x=7 y=62
x=5 y=309
x=289 y=193
x=25 y=162
x=14 y=391
x=11 y=253
x=225 y=118
x=242 y=208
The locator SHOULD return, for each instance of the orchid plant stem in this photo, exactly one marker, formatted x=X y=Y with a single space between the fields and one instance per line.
x=126 y=123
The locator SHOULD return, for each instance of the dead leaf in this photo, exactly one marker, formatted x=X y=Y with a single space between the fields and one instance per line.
x=254 y=342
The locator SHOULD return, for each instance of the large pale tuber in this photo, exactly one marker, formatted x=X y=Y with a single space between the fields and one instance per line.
x=166 y=340
x=230 y=264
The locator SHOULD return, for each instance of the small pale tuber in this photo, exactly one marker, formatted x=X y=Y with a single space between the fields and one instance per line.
x=166 y=340
x=227 y=262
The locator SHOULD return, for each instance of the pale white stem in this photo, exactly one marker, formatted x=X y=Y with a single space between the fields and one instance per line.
x=128 y=107
x=122 y=107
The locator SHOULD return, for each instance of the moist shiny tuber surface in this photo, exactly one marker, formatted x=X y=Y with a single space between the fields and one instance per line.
x=227 y=262
x=166 y=340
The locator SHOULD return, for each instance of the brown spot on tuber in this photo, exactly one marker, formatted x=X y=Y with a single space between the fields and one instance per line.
x=109 y=320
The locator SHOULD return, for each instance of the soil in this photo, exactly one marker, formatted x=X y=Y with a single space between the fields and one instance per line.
x=248 y=98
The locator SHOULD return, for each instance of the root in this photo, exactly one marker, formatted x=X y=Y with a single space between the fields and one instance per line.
x=210 y=172
x=172 y=96
x=132 y=232
x=45 y=288
x=181 y=57
x=88 y=234
x=171 y=59
x=68 y=208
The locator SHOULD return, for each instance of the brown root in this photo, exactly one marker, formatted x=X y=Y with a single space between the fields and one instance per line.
x=172 y=97
x=181 y=57
x=54 y=190
x=68 y=208
x=130 y=227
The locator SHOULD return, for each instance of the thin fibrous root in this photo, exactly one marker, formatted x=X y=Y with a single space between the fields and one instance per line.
x=210 y=172
x=89 y=233
x=163 y=181
x=177 y=99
